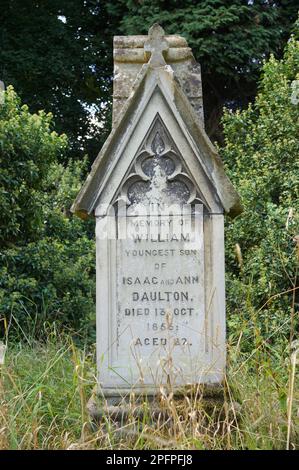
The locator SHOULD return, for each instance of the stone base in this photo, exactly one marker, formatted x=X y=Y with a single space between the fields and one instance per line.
x=134 y=410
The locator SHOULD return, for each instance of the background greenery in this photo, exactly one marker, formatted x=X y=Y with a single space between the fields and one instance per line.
x=47 y=256
x=66 y=67
x=261 y=156
x=58 y=56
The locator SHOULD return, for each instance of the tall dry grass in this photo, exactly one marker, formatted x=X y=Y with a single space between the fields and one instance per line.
x=44 y=389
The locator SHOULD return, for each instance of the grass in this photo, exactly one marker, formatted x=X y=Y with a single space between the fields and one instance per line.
x=44 y=388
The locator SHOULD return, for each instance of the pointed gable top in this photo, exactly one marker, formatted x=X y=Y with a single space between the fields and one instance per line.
x=158 y=97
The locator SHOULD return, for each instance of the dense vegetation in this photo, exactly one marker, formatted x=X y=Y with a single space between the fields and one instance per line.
x=58 y=55
x=230 y=39
x=62 y=67
x=261 y=154
x=47 y=257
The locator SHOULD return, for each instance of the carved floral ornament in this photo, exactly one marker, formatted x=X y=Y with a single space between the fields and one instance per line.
x=158 y=175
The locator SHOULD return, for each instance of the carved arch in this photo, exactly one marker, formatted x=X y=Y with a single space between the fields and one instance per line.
x=158 y=173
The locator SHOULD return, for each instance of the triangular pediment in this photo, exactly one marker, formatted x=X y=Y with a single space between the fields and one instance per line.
x=157 y=131
x=159 y=174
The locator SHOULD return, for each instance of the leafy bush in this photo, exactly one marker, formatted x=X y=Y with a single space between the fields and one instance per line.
x=261 y=156
x=28 y=149
x=47 y=256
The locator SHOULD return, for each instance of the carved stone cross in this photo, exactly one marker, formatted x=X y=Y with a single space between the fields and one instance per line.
x=156 y=45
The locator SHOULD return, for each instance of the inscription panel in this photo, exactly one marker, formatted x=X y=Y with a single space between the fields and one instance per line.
x=160 y=319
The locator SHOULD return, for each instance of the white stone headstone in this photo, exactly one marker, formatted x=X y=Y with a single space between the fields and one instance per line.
x=159 y=192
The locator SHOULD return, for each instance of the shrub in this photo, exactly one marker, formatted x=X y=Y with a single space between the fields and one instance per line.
x=261 y=156
x=47 y=256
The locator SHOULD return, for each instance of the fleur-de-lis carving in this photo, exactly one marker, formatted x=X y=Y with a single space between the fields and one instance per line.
x=158 y=173
x=158 y=145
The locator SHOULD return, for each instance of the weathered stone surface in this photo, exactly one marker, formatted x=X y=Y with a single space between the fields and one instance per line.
x=123 y=42
x=130 y=411
x=129 y=56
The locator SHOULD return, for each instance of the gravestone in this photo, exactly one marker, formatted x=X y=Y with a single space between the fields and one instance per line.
x=159 y=193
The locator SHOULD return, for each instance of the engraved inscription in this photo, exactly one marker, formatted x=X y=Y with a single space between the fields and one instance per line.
x=160 y=298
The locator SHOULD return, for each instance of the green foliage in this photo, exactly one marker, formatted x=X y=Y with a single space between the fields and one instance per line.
x=58 y=56
x=47 y=255
x=28 y=148
x=261 y=155
x=230 y=39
